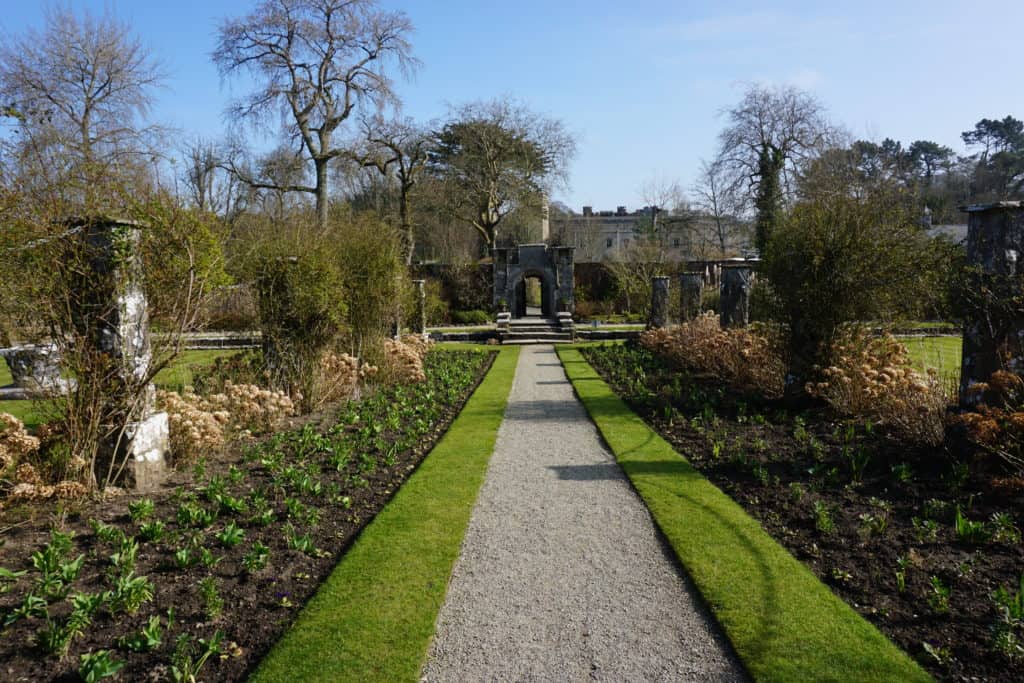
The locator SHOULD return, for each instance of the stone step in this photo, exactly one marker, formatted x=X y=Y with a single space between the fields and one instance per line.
x=538 y=340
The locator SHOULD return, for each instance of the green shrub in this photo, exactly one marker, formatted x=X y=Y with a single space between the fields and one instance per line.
x=838 y=258
x=471 y=317
x=437 y=307
x=709 y=299
x=301 y=313
x=374 y=281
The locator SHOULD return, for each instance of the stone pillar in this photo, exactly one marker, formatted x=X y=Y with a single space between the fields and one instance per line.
x=113 y=315
x=565 y=266
x=995 y=245
x=734 y=304
x=420 y=321
x=659 y=302
x=691 y=292
x=501 y=297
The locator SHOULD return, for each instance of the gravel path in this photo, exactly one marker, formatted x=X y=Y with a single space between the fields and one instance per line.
x=562 y=576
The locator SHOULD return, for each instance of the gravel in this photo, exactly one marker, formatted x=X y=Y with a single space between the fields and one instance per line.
x=562 y=575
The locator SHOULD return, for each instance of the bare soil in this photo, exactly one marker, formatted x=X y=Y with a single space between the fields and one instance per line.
x=257 y=607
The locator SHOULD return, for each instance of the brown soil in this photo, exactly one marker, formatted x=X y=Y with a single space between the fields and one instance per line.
x=755 y=452
x=257 y=607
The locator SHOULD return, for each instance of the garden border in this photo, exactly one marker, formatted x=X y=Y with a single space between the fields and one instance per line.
x=783 y=622
x=374 y=616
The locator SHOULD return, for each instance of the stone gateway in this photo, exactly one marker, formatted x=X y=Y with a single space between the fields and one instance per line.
x=552 y=266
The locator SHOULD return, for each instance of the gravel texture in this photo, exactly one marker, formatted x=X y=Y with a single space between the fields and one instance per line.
x=562 y=575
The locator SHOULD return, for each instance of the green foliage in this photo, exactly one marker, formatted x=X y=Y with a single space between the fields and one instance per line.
x=95 y=666
x=476 y=317
x=191 y=654
x=213 y=604
x=257 y=557
x=150 y=637
x=8 y=578
x=969 y=531
x=141 y=509
x=374 y=278
x=823 y=521
x=301 y=311
x=231 y=535
x=770 y=162
x=1008 y=629
x=130 y=592
x=938 y=598
x=837 y=259
x=493 y=158
x=152 y=532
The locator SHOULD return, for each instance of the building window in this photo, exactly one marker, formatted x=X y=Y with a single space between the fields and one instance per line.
x=608 y=243
x=675 y=243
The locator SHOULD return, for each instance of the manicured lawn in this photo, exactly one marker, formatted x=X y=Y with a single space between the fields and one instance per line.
x=179 y=373
x=372 y=620
x=783 y=622
x=941 y=353
x=175 y=376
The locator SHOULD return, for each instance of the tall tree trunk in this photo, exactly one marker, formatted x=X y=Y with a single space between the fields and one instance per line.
x=321 y=191
x=403 y=218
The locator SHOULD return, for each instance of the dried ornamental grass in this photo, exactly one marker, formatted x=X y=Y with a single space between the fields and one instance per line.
x=747 y=359
x=874 y=377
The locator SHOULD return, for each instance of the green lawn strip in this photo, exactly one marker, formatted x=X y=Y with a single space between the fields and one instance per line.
x=783 y=622
x=373 y=618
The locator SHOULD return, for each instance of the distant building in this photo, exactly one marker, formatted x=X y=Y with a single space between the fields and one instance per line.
x=600 y=235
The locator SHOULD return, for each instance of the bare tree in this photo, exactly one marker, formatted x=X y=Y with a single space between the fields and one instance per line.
x=398 y=150
x=720 y=204
x=207 y=185
x=771 y=131
x=78 y=90
x=316 y=61
x=498 y=157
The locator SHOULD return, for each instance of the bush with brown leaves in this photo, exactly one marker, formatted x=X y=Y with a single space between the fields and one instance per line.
x=998 y=426
x=873 y=377
x=746 y=359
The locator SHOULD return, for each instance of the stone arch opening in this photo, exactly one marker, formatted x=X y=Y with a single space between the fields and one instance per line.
x=550 y=267
x=534 y=295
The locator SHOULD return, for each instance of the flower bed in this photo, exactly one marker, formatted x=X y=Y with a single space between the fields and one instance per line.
x=927 y=550
x=209 y=574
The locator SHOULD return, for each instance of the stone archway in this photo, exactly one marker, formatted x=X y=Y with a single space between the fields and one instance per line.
x=518 y=305
x=553 y=266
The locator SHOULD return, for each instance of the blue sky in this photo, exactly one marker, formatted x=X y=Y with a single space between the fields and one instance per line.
x=642 y=83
